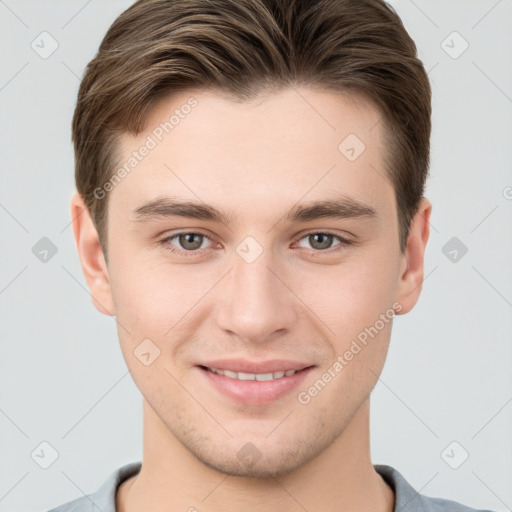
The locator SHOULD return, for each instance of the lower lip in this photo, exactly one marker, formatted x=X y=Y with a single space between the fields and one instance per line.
x=254 y=392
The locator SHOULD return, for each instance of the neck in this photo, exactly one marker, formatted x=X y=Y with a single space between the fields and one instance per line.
x=341 y=478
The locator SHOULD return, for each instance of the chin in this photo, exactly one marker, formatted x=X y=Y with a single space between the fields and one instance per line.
x=262 y=468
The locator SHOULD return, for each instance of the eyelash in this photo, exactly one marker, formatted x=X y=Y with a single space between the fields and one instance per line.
x=316 y=252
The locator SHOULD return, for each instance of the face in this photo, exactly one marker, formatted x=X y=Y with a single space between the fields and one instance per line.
x=255 y=279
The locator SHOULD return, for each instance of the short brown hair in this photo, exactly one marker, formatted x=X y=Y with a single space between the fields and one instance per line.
x=243 y=47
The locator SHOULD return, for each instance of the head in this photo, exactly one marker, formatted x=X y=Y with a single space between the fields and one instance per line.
x=257 y=111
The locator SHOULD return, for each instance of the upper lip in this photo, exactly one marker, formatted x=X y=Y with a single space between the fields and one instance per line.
x=244 y=365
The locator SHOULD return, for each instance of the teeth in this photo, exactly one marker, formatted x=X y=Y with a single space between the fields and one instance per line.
x=253 y=376
x=246 y=376
x=264 y=376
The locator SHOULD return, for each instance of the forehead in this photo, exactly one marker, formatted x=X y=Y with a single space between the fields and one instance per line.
x=278 y=148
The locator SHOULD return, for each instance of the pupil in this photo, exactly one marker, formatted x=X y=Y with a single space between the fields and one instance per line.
x=323 y=236
x=189 y=239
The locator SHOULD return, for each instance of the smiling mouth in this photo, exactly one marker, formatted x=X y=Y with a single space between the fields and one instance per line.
x=253 y=376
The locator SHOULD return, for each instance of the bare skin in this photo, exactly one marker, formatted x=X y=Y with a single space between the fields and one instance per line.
x=297 y=300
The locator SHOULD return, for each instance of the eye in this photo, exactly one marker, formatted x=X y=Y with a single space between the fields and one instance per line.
x=321 y=241
x=188 y=242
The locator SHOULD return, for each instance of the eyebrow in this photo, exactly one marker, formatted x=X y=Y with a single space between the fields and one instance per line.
x=165 y=206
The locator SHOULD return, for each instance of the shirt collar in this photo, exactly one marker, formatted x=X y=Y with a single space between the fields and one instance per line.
x=406 y=498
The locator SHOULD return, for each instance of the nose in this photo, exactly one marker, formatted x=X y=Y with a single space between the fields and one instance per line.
x=256 y=303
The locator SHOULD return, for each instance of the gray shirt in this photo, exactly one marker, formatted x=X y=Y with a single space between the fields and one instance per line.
x=406 y=498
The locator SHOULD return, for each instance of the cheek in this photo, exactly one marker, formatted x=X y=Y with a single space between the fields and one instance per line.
x=155 y=296
x=157 y=301
x=147 y=307
x=352 y=295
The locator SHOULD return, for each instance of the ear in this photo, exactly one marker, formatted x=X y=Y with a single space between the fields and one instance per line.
x=411 y=280
x=91 y=256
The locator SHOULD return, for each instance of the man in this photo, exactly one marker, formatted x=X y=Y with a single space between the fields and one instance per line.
x=250 y=208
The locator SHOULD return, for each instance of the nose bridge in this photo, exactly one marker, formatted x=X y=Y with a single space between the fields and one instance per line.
x=256 y=302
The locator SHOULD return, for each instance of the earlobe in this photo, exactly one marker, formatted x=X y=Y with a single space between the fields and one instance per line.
x=412 y=273
x=91 y=256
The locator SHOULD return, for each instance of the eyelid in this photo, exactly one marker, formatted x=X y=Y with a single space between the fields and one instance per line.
x=348 y=237
x=343 y=240
x=168 y=237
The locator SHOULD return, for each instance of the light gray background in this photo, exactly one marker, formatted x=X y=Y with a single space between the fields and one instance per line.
x=448 y=374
